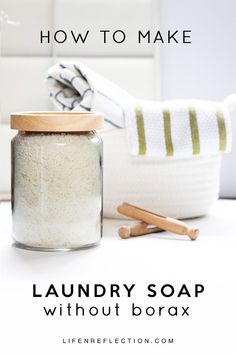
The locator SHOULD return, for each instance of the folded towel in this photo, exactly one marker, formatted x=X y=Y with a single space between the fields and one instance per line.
x=178 y=128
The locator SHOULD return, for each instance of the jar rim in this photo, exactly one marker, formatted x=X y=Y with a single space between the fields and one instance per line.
x=54 y=121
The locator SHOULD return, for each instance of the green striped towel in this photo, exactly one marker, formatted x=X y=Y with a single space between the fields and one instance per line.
x=177 y=128
x=180 y=128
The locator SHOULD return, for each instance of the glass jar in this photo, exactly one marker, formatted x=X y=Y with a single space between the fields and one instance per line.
x=56 y=180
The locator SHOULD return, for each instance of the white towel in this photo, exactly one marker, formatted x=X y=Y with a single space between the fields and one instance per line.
x=177 y=128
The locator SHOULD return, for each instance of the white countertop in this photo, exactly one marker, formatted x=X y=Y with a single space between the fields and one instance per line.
x=160 y=258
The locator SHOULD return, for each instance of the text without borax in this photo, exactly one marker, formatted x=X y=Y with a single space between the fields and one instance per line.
x=111 y=291
x=75 y=310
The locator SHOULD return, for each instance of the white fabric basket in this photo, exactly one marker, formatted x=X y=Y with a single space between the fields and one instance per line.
x=181 y=188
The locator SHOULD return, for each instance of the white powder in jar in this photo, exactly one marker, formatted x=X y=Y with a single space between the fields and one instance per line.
x=57 y=187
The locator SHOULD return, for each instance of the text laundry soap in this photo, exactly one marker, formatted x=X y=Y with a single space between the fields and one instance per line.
x=56 y=180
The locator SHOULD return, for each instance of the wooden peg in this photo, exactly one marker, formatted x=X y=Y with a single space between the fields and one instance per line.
x=138 y=229
x=160 y=221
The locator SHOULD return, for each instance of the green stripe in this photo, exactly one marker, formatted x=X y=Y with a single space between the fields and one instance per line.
x=221 y=130
x=141 y=131
x=194 y=131
x=167 y=131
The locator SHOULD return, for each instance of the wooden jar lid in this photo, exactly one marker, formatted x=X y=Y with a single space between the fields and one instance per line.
x=56 y=121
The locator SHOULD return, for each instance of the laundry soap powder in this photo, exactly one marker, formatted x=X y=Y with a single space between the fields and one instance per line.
x=56 y=181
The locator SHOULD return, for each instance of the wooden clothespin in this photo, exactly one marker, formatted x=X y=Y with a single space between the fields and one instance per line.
x=138 y=229
x=159 y=222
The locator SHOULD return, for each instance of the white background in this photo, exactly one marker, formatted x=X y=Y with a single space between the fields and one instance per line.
x=205 y=70
x=157 y=259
